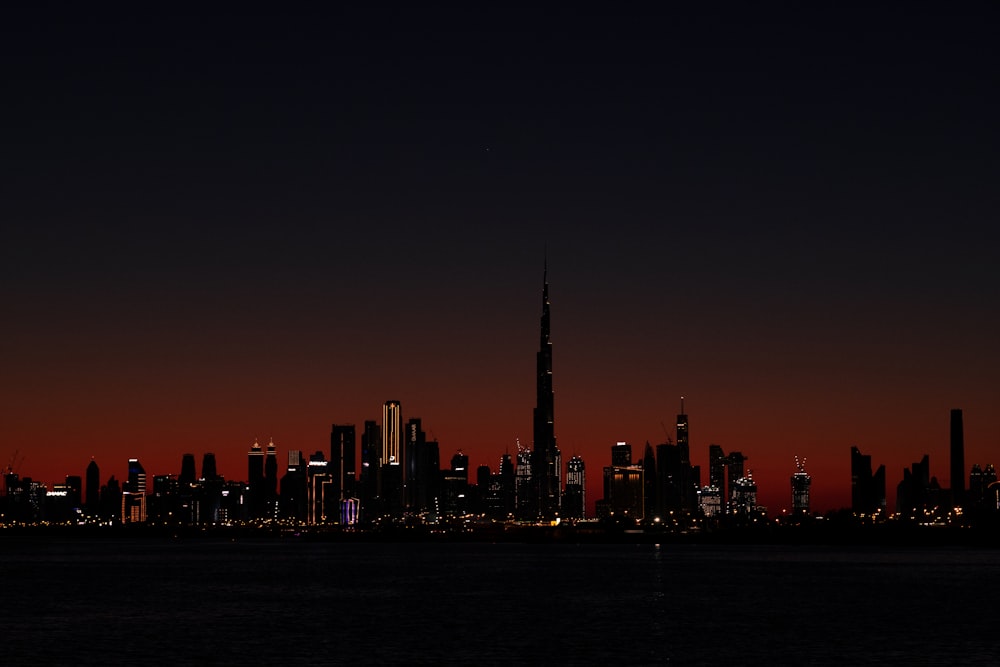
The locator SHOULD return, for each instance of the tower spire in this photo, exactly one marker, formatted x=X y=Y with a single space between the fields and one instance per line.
x=546 y=460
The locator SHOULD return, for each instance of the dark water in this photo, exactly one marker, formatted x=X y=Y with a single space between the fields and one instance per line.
x=248 y=602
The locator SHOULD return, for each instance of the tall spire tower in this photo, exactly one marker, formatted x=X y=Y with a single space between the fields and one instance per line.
x=546 y=461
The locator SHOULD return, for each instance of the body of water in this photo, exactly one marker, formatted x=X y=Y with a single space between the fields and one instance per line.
x=120 y=601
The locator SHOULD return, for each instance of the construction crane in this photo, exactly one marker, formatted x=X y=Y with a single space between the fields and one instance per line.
x=15 y=463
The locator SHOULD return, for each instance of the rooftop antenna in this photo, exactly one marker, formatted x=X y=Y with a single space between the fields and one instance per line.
x=682 y=405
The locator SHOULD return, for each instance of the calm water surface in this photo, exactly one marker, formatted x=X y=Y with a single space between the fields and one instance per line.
x=256 y=602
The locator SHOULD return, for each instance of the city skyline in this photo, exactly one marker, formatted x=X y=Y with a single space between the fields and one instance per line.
x=228 y=226
x=728 y=484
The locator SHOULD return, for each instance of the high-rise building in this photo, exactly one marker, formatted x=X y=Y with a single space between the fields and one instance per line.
x=134 y=494
x=255 y=480
x=710 y=501
x=800 y=487
x=294 y=491
x=391 y=475
x=342 y=460
x=624 y=495
x=735 y=466
x=371 y=451
x=188 y=475
x=688 y=486
x=744 y=500
x=621 y=454
x=546 y=464
x=575 y=496
x=455 y=494
x=93 y=490
x=649 y=480
x=867 y=489
x=415 y=474
x=523 y=485
x=717 y=468
x=507 y=485
x=957 y=459
x=136 y=482
x=914 y=491
x=668 y=479
x=392 y=433
x=209 y=471
x=74 y=487
x=271 y=481
x=322 y=506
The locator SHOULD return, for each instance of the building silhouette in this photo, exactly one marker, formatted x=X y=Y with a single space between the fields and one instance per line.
x=649 y=490
x=546 y=463
x=391 y=476
x=801 y=481
x=575 y=496
x=455 y=486
x=255 y=481
x=342 y=468
x=133 y=509
x=523 y=479
x=270 y=481
x=686 y=477
x=735 y=471
x=914 y=492
x=323 y=507
x=982 y=492
x=867 y=489
x=371 y=451
x=93 y=490
x=188 y=475
x=717 y=469
x=294 y=503
x=507 y=485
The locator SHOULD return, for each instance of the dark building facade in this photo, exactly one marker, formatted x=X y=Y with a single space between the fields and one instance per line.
x=255 y=481
x=867 y=489
x=575 y=496
x=342 y=468
x=546 y=460
x=93 y=489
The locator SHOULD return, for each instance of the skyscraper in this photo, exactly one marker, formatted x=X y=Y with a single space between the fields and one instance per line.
x=867 y=489
x=390 y=473
x=621 y=454
x=416 y=486
x=255 y=480
x=957 y=458
x=575 y=500
x=546 y=459
x=392 y=427
x=800 y=487
x=686 y=478
x=187 y=476
x=134 y=494
x=371 y=450
x=522 y=485
x=271 y=481
x=209 y=470
x=717 y=468
x=93 y=487
x=342 y=460
x=735 y=464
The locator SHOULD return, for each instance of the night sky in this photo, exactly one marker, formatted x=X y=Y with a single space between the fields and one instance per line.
x=217 y=227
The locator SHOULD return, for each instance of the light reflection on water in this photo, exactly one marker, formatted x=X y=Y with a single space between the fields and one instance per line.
x=254 y=602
